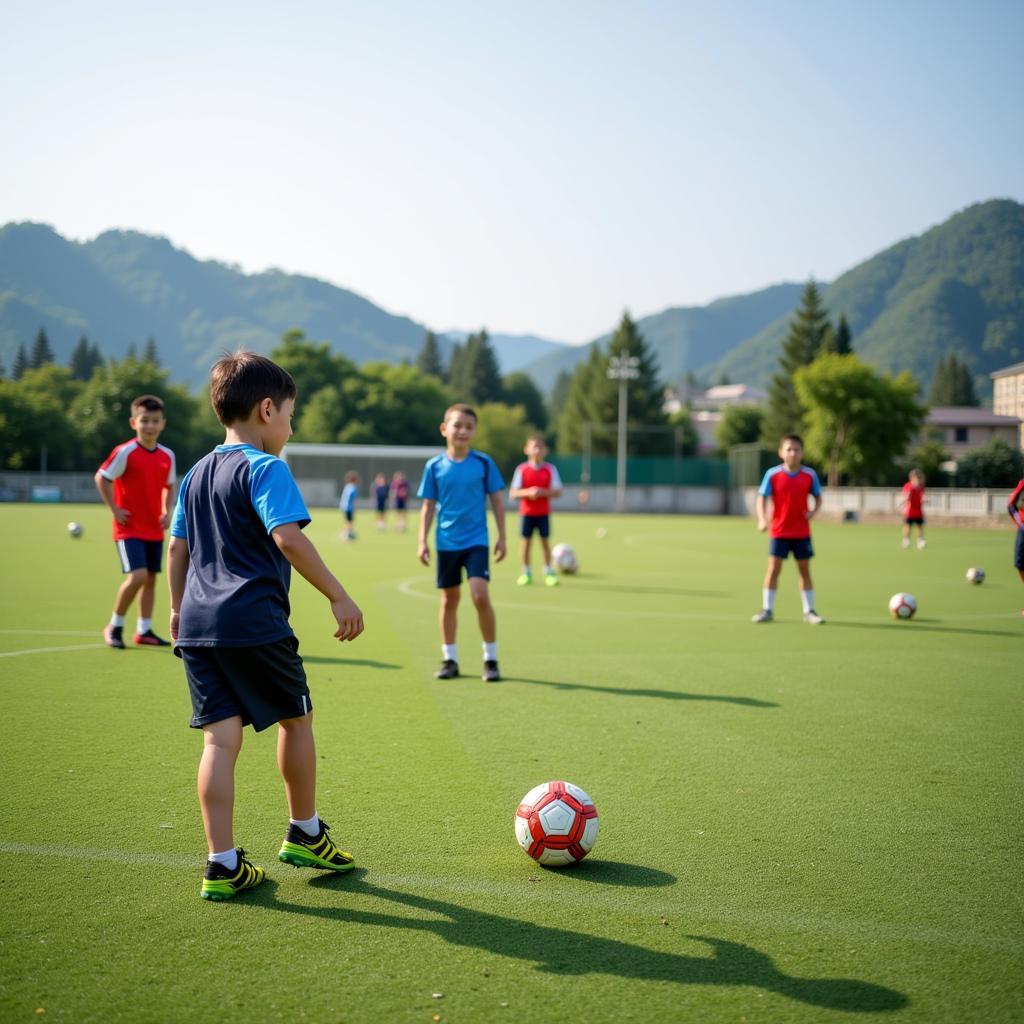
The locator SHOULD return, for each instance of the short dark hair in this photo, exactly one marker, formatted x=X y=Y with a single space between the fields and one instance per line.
x=240 y=380
x=466 y=410
x=791 y=437
x=539 y=438
x=148 y=402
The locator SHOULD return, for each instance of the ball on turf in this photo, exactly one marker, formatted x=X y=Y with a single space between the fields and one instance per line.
x=975 y=575
x=565 y=559
x=556 y=824
x=75 y=529
x=601 y=533
x=902 y=606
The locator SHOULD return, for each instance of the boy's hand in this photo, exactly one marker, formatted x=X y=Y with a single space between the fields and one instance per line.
x=349 y=618
x=499 y=549
x=122 y=515
x=165 y=520
x=174 y=626
x=424 y=552
x=762 y=525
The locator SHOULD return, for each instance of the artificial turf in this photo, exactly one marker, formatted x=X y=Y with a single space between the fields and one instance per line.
x=798 y=823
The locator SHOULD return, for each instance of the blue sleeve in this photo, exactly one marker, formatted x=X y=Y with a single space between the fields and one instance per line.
x=178 y=527
x=815 y=483
x=275 y=495
x=765 y=490
x=428 y=484
x=494 y=480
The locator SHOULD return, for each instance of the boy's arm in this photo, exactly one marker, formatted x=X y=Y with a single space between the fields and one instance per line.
x=498 y=508
x=813 y=510
x=169 y=494
x=762 y=513
x=177 y=570
x=106 y=489
x=299 y=550
x=427 y=510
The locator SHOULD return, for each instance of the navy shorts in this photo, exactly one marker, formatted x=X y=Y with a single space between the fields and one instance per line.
x=535 y=524
x=382 y=505
x=139 y=554
x=1018 y=549
x=780 y=547
x=450 y=564
x=400 y=504
x=914 y=521
x=261 y=684
x=350 y=517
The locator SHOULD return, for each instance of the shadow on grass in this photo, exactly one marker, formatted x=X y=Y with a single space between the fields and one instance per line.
x=671 y=591
x=568 y=952
x=610 y=872
x=621 y=691
x=922 y=626
x=314 y=659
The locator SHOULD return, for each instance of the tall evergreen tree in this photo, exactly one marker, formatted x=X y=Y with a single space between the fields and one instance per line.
x=150 y=354
x=559 y=393
x=519 y=389
x=842 y=339
x=20 y=363
x=952 y=383
x=429 y=359
x=474 y=376
x=84 y=359
x=132 y=352
x=42 y=351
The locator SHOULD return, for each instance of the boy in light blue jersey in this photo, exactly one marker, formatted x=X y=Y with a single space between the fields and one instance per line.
x=456 y=487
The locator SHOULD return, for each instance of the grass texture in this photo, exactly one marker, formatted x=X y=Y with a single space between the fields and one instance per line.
x=798 y=823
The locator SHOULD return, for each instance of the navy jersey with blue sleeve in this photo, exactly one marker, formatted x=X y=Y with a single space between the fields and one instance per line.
x=236 y=591
x=460 y=489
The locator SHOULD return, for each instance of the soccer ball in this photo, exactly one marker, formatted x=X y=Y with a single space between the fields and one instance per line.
x=975 y=575
x=556 y=824
x=75 y=529
x=565 y=558
x=902 y=606
x=601 y=533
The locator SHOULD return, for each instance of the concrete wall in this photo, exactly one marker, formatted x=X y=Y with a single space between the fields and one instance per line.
x=887 y=502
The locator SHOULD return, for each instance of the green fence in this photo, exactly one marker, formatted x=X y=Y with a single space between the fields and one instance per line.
x=748 y=464
x=646 y=470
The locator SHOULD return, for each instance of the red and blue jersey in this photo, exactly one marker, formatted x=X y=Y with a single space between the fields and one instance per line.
x=913 y=501
x=789 y=493
x=528 y=475
x=140 y=476
x=1016 y=504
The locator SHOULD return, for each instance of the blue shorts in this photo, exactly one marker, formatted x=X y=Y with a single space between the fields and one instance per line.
x=400 y=504
x=382 y=505
x=780 y=547
x=540 y=524
x=1018 y=549
x=450 y=565
x=139 y=554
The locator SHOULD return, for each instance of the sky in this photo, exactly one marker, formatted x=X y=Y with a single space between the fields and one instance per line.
x=530 y=167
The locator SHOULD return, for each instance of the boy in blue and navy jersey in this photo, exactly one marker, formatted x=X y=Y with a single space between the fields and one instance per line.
x=236 y=533
x=456 y=487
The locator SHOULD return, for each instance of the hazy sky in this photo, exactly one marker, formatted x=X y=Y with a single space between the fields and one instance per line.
x=531 y=167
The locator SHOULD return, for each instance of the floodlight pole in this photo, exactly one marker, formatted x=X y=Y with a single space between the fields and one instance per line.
x=622 y=368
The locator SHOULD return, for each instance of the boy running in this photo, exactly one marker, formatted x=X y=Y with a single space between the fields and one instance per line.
x=136 y=482
x=534 y=483
x=457 y=486
x=237 y=531
x=1014 y=506
x=788 y=487
x=913 y=508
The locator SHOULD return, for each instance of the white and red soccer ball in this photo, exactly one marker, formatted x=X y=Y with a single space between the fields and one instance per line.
x=902 y=606
x=975 y=575
x=564 y=559
x=556 y=824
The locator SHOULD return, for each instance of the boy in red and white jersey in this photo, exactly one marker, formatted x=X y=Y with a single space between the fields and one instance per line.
x=913 y=507
x=136 y=482
x=534 y=483
x=1014 y=507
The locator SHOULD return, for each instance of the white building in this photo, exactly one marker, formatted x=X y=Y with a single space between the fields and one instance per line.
x=1008 y=394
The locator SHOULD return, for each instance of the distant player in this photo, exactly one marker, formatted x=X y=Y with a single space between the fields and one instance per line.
x=236 y=534
x=400 y=496
x=457 y=486
x=1014 y=507
x=788 y=487
x=347 y=505
x=534 y=483
x=380 y=497
x=913 y=508
x=136 y=482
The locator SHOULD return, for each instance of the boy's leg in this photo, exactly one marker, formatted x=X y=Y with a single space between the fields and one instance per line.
x=480 y=593
x=130 y=586
x=524 y=560
x=906 y=535
x=807 y=592
x=448 y=618
x=770 y=586
x=296 y=760
x=147 y=597
x=215 y=782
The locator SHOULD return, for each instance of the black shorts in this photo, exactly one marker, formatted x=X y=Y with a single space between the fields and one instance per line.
x=382 y=506
x=451 y=563
x=139 y=554
x=1018 y=549
x=780 y=547
x=914 y=520
x=400 y=504
x=350 y=517
x=535 y=524
x=261 y=684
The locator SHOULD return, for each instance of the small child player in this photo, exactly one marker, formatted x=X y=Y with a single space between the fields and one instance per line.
x=913 y=508
x=380 y=496
x=347 y=505
x=534 y=483
x=236 y=534
x=456 y=486
x=788 y=487
x=136 y=482
x=1014 y=507
x=400 y=494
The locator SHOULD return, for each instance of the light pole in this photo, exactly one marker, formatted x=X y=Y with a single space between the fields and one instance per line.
x=622 y=368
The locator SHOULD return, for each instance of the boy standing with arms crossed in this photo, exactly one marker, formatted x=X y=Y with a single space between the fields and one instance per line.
x=136 y=482
x=788 y=487
x=534 y=483
x=237 y=531
x=456 y=486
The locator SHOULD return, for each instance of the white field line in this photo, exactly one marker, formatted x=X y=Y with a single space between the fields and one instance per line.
x=52 y=650
x=49 y=632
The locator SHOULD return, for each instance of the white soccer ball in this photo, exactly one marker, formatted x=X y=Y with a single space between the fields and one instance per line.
x=601 y=533
x=556 y=824
x=75 y=529
x=902 y=606
x=565 y=559
x=975 y=575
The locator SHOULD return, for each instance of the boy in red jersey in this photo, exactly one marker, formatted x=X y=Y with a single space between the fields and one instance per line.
x=913 y=508
x=1014 y=506
x=788 y=487
x=136 y=482
x=534 y=484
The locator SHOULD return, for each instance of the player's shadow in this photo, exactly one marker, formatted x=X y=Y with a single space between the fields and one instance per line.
x=670 y=591
x=315 y=659
x=623 y=691
x=922 y=626
x=565 y=951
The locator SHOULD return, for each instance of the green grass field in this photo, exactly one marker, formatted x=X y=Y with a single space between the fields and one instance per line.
x=797 y=823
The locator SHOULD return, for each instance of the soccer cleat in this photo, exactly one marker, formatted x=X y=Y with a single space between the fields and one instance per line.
x=221 y=883
x=304 y=851
x=112 y=636
x=763 y=616
x=922 y=544
x=150 y=639
x=550 y=580
x=524 y=580
x=904 y=543
x=813 y=618
x=449 y=670
x=491 y=673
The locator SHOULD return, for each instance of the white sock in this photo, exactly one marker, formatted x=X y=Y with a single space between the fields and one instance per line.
x=229 y=858
x=807 y=597
x=526 y=571
x=145 y=625
x=116 y=620
x=768 y=600
x=490 y=651
x=311 y=826
x=450 y=652
x=548 y=570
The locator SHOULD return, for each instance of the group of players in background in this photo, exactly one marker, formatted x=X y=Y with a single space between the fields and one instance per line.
x=236 y=533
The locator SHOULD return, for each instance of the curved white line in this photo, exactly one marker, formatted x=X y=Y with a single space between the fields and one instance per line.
x=52 y=650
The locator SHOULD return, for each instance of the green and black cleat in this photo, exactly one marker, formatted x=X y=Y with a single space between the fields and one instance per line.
x=317 y=851
x=221 y=883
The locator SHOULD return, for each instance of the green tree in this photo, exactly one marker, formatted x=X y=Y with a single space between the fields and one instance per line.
x=685 y=431
x=42 y=350
x=998 y=464
x=473 y=375
x=741 y=424
x=928 y=457
x=589 y=401
x=501 y=432
x=35 y=413
x=20 y=363
x=313 y=365
x=559 y=393
x=84 y=359
x=952 y=383
x=429 y=360
x=400 y=405
x=857 y=420
x=519 y=389
x=321 y=417
x=150 y=354
x=842 y=339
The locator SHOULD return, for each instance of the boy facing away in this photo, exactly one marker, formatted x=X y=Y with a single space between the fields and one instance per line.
x=534 y=483
x=136 y=482
x=236 y=534
x=456 y=486
x=381 y=491
x=400 y=493
x=347 y=505
x=1014 y=506
x=913 y=508
x=788 y=487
